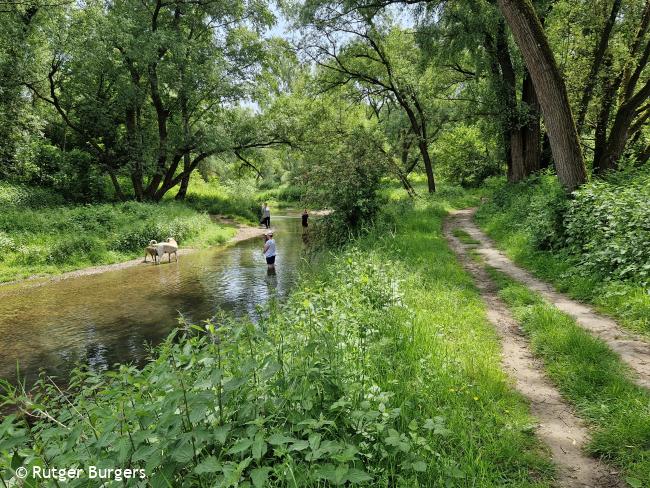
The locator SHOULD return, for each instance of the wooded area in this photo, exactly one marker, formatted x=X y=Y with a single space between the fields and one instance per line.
x=142 y=94
x=464 y=300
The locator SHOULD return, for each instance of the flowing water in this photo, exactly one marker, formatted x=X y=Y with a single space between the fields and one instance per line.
x=108 y=318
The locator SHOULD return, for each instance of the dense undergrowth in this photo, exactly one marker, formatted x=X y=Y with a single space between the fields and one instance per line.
x=217 y=199
x=380 y=369
x=594 y=245
x=592 y=377
x=39 y=235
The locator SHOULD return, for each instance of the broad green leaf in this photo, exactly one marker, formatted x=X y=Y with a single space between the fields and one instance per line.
x=259 y=476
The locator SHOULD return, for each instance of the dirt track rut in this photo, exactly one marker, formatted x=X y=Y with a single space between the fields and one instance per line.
x=559 y=428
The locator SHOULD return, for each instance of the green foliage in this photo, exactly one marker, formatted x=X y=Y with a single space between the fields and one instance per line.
x=215 y=198
x=347 y=180
x=23 y=196
x=593 y=246
x=535 y=207
x=592 y=377
x=379 y=370
x=60 y=238
x=463 y=157
x=289 y=194
x=607 y=225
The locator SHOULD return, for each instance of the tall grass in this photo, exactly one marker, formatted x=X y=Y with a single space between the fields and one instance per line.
x=216 y=199
x=380 y=370
x=54 y=239
x=591 y=377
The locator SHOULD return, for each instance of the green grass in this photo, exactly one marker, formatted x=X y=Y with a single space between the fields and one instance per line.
x=51 y=240
x=591 y=376
x=518 y=225
x=211 y=197
x=464 y=237
x=380 y=369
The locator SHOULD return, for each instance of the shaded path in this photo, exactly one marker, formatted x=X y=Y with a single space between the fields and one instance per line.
x=632 y=350
x=559 y=428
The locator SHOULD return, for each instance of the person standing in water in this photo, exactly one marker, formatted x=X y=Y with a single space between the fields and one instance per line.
x=305 y=218
x=266 y=215
x=269 y=250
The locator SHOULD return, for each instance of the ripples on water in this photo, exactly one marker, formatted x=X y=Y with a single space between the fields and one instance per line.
x=108 y=318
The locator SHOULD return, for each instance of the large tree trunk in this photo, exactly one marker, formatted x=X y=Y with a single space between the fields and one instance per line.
x=550 y=88
x=532 y=131
x=185 y=182
x=619 y=133
x=515 y=142
x=517 y=171
x=428 y=166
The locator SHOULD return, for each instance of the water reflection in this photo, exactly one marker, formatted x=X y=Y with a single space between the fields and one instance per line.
x=108 y=318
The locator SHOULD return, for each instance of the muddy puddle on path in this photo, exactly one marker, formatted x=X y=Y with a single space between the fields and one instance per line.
x=108 y=318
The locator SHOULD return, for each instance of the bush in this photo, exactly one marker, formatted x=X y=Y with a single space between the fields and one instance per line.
x=13 y=195
x=536 y=206
x=594 y=245
x=462 y=157
x=215 y=199
x=75 y=247
x=347 y=180
x=608 y=226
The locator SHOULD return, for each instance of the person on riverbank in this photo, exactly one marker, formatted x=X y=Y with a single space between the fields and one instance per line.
x=269 y=250
x=266 y=215
x=305 y=218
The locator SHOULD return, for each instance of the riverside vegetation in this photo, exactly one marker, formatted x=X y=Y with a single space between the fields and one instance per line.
x=381 y=369
x=43 y=234
x=594 y=245
x=39 y=234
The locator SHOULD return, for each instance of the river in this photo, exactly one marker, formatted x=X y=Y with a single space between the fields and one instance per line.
x=111 y=317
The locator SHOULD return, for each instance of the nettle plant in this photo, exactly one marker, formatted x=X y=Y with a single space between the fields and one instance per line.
x=290 y=401
x=608 y=226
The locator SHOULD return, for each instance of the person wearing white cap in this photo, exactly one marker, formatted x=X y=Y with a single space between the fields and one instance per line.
x=269 y=249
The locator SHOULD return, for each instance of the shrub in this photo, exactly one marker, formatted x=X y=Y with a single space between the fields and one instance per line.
x=608 y=227
x=536 y=206
x=462 y=157
x=12 y=195
x=71 y=247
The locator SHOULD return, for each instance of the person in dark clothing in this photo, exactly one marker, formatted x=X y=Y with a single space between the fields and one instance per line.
x=305 y=218
x=266 y=216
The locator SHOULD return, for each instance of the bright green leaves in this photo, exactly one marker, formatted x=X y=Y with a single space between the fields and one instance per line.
x=341 y=474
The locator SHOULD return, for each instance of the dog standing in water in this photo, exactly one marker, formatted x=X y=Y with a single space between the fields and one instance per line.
x=170 y=246
x=151 y=250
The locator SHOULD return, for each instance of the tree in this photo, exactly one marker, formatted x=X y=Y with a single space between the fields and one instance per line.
x=550 y=88
x=383 y=65
x=145 y=86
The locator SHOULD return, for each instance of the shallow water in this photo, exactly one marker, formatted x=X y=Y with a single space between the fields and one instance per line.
x=108 y=318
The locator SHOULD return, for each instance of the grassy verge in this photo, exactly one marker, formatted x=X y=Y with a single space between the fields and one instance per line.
x=215 y=199
x=380 y=369
x=50 y=240
x=524 y=220
x=591 y=377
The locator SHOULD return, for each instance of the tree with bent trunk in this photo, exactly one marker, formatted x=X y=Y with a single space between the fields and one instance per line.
x=550 y=88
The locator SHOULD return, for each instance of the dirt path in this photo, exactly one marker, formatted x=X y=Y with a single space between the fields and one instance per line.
x=633 y=351
x=558 y=427
x=244 y=232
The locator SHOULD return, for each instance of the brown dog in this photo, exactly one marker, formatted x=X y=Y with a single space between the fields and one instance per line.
x=151 y=250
